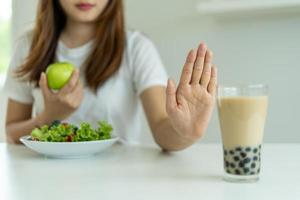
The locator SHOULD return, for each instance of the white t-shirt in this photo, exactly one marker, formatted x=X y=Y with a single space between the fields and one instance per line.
x=117 y=101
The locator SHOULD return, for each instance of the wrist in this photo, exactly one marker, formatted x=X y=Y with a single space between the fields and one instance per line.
x=186 y=136
x=180 y=134
x=42 y=119
x=169 y=137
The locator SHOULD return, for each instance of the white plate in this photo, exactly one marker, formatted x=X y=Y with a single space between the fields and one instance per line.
x=68 y=149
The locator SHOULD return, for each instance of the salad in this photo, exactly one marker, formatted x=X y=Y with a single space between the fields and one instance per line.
x=65 y=132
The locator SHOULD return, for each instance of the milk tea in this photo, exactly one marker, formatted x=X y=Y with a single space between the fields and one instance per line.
x=242 y=120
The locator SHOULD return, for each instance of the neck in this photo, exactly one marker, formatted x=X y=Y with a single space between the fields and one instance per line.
x=77 y=34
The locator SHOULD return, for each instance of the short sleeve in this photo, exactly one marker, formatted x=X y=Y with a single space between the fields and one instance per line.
x=147 y=67
x=15 y=88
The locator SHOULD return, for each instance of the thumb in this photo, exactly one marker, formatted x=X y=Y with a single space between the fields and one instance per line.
x=171 y=102
x=44 y=85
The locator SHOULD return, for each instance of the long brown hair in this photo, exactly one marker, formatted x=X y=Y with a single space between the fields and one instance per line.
x=103 y=61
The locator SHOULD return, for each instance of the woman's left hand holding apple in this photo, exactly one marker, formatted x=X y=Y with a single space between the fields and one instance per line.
x=61 y=104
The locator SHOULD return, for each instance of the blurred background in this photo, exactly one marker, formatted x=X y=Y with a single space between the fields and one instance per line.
x=254 y=41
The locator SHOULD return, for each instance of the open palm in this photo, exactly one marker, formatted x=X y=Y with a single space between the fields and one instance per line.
x=190 y=105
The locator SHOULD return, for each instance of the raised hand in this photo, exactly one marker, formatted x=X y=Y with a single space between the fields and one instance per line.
x=190 y=105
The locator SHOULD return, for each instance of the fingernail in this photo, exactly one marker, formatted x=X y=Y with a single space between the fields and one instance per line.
x=42 y=75
x=171 y=80
x=191 y=56
x=202 y=45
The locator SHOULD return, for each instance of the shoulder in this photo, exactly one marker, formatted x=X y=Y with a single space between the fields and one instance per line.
x=14 y=87
x=136 y=40
x=21 y=48
x=133 y=36
x=139 y=48
x=24 y=40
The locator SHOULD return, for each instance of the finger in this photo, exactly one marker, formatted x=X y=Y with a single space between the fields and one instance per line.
x=71 y=83
x=187 y=70
x=206 y=73
x=171 y=102
x=44 y=85
x=78 y=89
x=198 y=66
x=212 y=86
x=76 y=95
x=79 y=93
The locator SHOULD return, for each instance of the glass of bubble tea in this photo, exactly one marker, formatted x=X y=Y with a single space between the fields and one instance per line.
x=242 y=111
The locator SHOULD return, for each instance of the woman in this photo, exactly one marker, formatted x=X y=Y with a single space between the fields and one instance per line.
x=116 y=69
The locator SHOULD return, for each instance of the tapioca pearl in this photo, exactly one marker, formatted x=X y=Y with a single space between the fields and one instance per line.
x=232 y=165
x=225 y=152
x=258 y=170
x=255 y=150
x=255 y=158
x=259 y=146
x=248 y=149
x=236 y=158
x=228 y=171
x=253 y=165
x=252 y=173
x=231 y=152
x=246 y=160
x=238 y=149
x=243 y=154
x=241 y=164
x=246 y=170
x=237 y=171
x=226 y=163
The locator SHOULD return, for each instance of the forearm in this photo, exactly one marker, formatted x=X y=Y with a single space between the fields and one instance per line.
x=15 y=130
x=168 y=138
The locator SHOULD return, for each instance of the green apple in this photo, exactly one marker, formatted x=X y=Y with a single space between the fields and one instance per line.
x=58 y=74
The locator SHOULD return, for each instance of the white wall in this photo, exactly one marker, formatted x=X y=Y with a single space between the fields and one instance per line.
x=253 y=49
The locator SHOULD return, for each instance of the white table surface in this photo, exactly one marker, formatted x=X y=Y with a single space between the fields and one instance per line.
x=134 y=172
